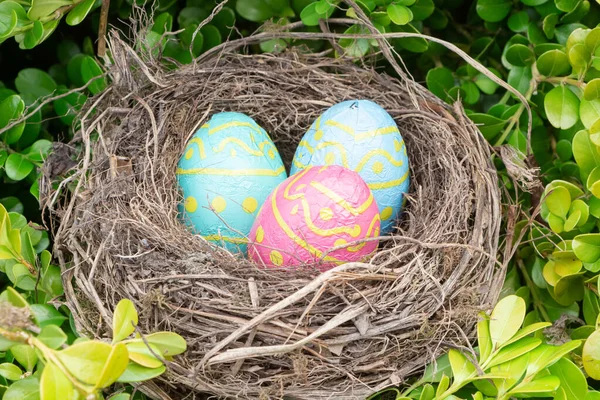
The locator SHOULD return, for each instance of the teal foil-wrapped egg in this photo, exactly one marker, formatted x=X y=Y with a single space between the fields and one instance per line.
x=361 y=136
x=226 y=172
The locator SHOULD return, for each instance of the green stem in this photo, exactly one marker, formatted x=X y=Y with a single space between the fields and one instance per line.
x=537 y=302
x=562 y=81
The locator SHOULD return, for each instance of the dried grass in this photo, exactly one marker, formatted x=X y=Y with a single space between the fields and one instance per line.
x=265 y=334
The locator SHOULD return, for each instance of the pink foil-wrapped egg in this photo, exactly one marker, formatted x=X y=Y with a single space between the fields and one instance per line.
x=312 y=212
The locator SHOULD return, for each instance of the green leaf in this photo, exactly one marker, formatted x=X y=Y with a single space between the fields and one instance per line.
x=583 y=208
x=137 y=373
x=114 y=367
x=514 y=350
x=25 y=389
x=168 y=343
x=435 y=370
x=579 y=55
x=572 y=380
x=79 y=12
x=506 y=319
x=553 y=63
x=11 y=108
x=589 y=112
x=592 y=395
x=140 y=353
x=12 y=15
x=33 y=36
x=471 y=92
x=591 y=355
x=591 y=306
x=519 y=78
x=518 y=22
x=440 y=81
x=256 y=10
x=14 y=298
x=462 y=369
x=25 y=355
x=585 y=153
x=310 y=16
x=485 y=84
x=510 y=373
x=86 y=360
x=561 y=107
x=422 y=9
x=10 y=371
x=91 y=70
x=566 y=263
x=566 y=5
x=569 y=289
x=574 y=190
x=549 y=24
x=43 y=8
x=125 y=319
x=592 y=40
x=355 y=47
x=52 y=336
x=483 y=337
x=539 y=387
x=45 y=315
x=587 y=247
x=592 y=90
x=400 y=15
x=18 y=167
x=54 y=385
x=493 y=10
x=34 y=83
x=558 y=201
x=528 y=330
x=545 y=355
x=520 y=55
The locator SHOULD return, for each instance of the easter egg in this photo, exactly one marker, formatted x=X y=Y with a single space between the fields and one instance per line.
x=226 y=172
x=320 y=215
x=361 y=136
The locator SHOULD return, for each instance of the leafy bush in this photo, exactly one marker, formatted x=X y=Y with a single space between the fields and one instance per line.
x=548 y=50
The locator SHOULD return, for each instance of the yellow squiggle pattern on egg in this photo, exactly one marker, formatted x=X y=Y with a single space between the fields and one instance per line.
x=378 y=152
x=221 y=146
x=200 y=145
x=231 y=172
x=234 y=124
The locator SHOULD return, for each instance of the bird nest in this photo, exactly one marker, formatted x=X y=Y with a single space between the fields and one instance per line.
x=255 y=333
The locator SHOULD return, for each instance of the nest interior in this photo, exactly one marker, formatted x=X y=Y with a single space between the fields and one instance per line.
x=253 y=333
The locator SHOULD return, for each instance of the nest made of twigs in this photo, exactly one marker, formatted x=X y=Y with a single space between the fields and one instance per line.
x=268 y=334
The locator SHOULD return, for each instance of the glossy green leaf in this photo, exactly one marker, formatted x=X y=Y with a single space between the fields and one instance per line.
x=137 y=373
x=440 y=81
x=45 y=314
x=493 y=10
x=586 y=154
x=168 y=343
x=43 y=8
x=54 y=385
x=561 y=107
x=34 y=83
x=544 y=385
x=462 y=369
x=483 y=337
x=78 y=14
x=256 y=10
x=422 y=9
x=25 y=389
x=506 y=319
x=518 y=22
x=141 y=354
x=566 y=263
x=355 y=47
x=25 y=355
x=589 y=112
x=558 y=201
x=587 y=247
x=86 y=360
x=52 y=336
x=18 y=166
x=569 y=289
x=485 y=84
x=11 y=108
x=116 y=363
x=582 y=208
x=520 y=79
x=33 y=36
x=592 y=90
x=310 y=16
x=572 y=380
x=591 y=355
x=91 y=70
x=514 y=350
x=520 y=55
x=399 y=14
x=591 y=306
x=125 y=320
x=435 y=370
x=10 y=371
x=546 y=355
x=553 y=63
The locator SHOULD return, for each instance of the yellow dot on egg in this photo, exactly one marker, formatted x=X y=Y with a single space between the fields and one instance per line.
x=271 y=153
x=218 y=204
x=191 y=204
x=260 y=234
x=377 y=167
x=326 y=213
x=339 y=242
x=397 y=145
x=386 y=213
x=294 y=210
x=276 y=258
x=318 y=134
x=329 y=158
x=250 y=204
x=233 y=153
x=189 y=153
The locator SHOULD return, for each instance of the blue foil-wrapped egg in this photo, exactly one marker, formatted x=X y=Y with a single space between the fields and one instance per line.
x=362 y=136
x=226 y=172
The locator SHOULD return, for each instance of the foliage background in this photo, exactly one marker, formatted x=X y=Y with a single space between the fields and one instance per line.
x=546 y=49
